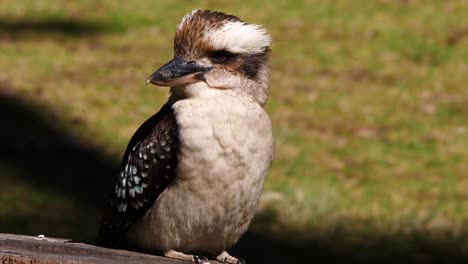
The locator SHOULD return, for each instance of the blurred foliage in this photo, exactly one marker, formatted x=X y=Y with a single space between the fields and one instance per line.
x=368 y=100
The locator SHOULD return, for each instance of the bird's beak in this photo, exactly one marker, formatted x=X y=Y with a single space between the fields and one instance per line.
x=178 y=72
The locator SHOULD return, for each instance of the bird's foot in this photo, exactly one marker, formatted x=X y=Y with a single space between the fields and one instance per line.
x=226 y=258
x=200 y=259
x=181 y=256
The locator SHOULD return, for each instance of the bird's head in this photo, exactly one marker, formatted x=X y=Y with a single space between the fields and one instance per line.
x=214 y=53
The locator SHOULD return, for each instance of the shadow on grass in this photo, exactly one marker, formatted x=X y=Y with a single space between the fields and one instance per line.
x=54 y=25
x=36 y=151
x=261 y=247
x=34 y=146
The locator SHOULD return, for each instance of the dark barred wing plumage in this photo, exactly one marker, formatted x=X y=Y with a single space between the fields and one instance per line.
x=147 y=168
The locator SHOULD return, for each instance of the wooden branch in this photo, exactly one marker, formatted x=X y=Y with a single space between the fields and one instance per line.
x=40 y=250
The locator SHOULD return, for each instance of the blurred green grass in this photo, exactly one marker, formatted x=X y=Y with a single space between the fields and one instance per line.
x=368 y=100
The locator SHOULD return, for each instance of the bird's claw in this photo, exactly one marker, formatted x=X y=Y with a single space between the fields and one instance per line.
x=238 y=261
x=200 y=259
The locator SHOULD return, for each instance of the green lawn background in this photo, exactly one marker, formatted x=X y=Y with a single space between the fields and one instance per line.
x=369 y=103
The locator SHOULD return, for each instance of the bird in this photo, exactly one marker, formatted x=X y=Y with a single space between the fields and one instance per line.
x=192 y=175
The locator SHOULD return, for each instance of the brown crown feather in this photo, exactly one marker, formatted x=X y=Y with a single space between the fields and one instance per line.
x=189 y=40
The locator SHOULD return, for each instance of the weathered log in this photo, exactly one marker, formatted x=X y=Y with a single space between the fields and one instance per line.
x=39 y=250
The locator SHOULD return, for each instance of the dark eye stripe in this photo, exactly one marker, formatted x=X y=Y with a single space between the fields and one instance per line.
x=251 y=64
x=222 y=56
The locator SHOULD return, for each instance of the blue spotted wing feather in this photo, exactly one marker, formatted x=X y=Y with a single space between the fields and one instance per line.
x=147 y=168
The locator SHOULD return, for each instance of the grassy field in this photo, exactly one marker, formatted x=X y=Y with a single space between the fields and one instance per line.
x=369 y=102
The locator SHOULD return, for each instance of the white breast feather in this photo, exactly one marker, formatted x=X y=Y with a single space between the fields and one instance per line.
x=226 y=150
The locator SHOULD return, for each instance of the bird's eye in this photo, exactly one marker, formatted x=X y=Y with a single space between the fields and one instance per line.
x=221 y=56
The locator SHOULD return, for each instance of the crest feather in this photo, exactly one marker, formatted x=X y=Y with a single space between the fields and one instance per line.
x=202 y=31
x=239 y=37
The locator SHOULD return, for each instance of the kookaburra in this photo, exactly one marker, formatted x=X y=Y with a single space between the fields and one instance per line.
x=192 y=174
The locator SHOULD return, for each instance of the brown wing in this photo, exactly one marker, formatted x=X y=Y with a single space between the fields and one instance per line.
x=147 y=168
